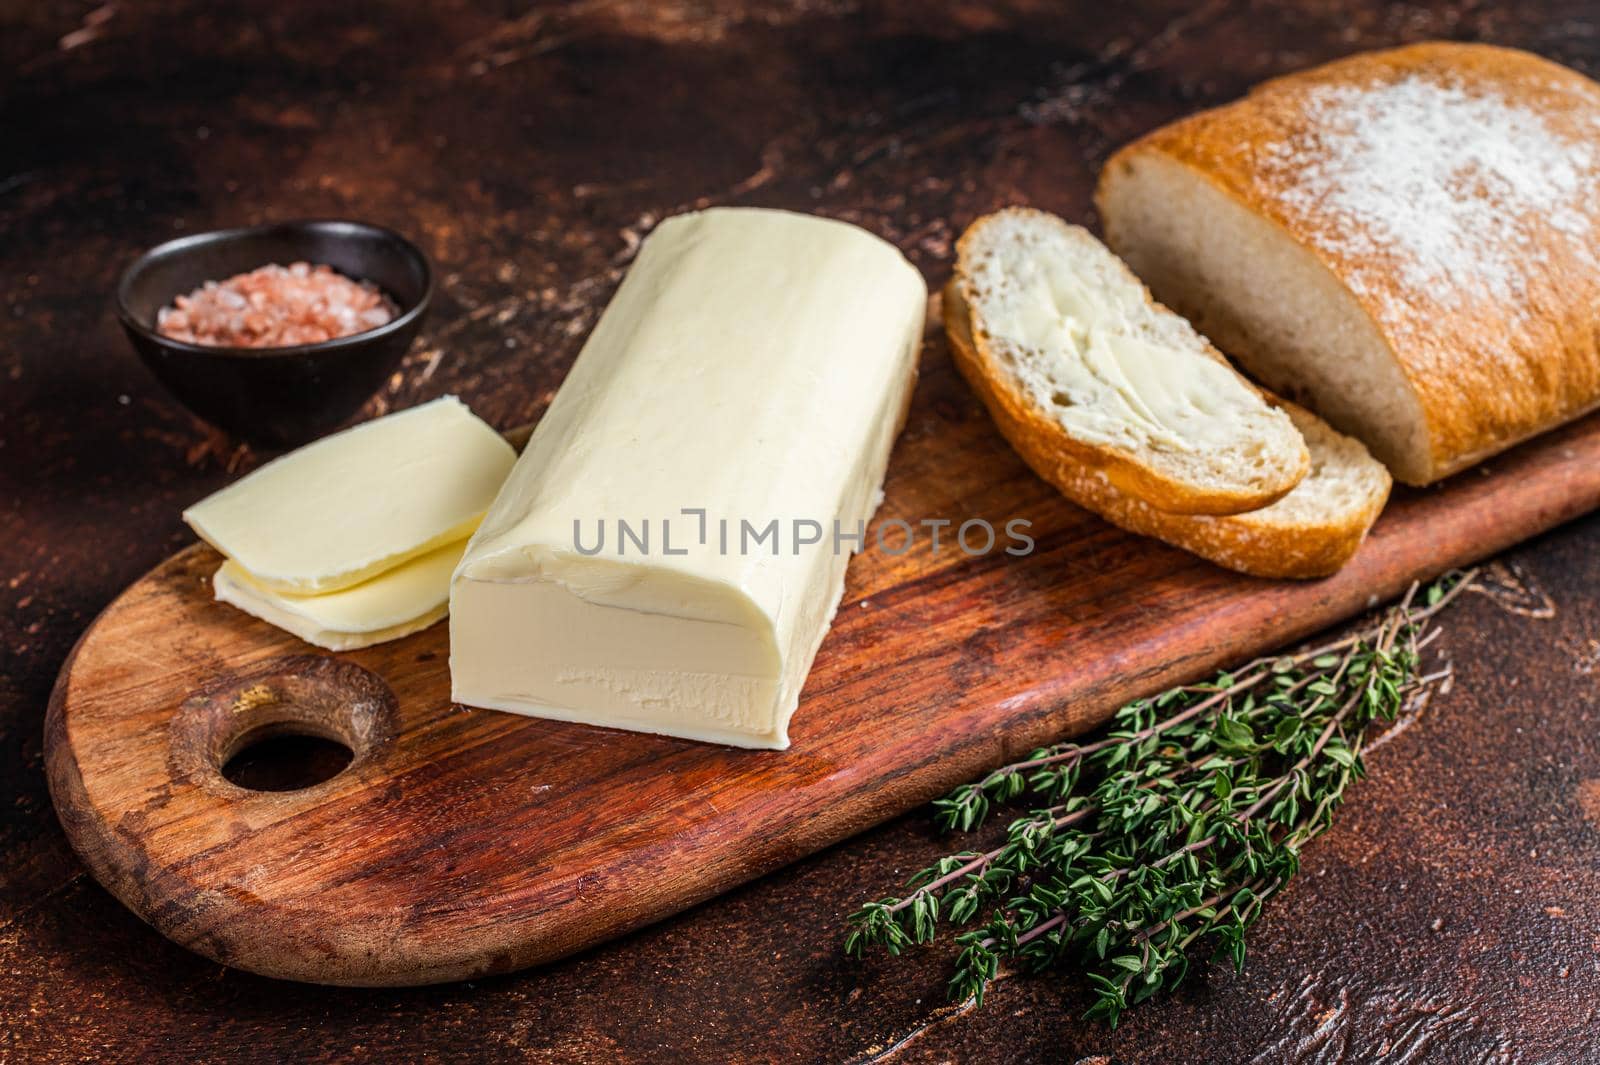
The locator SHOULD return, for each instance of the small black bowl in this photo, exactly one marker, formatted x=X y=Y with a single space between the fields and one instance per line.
x=276 y=396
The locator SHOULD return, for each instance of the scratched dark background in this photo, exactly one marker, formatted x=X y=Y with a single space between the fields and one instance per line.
x=1452 y=915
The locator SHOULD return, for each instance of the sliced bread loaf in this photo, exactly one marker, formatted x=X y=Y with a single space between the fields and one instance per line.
x=1093 y=374
x=1311 y=532
x=1407 y=241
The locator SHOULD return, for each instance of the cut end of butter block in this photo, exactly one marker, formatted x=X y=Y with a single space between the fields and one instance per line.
x=539 y=647
x=754 y=366
x=404 y=600
x=337 y=512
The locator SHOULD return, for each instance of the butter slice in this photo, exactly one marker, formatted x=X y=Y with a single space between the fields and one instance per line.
x=334 y=513
x=404 y=600
x=756 y=364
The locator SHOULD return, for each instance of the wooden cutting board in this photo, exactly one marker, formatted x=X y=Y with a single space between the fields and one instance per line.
x=464 y=842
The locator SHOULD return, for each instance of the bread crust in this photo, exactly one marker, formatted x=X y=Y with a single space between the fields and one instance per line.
x=1249 y=543
x=1121 y=469
x=1487 y=372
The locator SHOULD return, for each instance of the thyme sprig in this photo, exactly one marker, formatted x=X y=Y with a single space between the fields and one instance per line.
x=1176 y=826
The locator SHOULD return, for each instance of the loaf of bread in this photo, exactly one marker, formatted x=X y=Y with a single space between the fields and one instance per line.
x=1097 y=375
x=1311 y=532
x=1406 y=241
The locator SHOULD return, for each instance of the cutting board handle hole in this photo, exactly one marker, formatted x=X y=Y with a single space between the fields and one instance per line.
x=289 y=725
x=284 y=758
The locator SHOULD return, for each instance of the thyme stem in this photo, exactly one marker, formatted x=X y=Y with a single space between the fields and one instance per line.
x=1174 y=828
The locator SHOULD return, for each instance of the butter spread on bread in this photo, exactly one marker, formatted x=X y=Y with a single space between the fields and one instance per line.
x=754 y=365
x=1097 y=371
x=1311 y=532
x=1408 y=241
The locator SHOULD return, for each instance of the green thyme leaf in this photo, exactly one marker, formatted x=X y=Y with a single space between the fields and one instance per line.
x=1170 y=831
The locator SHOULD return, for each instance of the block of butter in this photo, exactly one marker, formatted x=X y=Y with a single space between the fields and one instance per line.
x=403 y=600
x=749 y=377
x=357 y=503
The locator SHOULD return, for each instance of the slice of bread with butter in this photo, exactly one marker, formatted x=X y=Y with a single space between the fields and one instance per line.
x=1309 y=532
x=1095 y=374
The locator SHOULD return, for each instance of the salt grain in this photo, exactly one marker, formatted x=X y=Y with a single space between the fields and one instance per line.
x=276 y=306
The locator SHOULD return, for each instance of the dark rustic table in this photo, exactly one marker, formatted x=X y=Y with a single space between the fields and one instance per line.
x=1452 y=914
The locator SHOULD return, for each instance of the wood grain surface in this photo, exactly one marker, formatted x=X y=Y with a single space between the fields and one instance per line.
x=460 y=843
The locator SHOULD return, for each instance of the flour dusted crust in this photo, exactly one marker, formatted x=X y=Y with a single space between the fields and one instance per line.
x=1454 y=191
x=1311 y=532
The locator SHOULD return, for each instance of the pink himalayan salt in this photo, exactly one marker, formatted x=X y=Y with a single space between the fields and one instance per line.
x=276 y=306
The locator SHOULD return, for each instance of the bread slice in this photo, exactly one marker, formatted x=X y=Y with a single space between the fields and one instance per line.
x=1311 y=532
x=1094 y=374
x=1407 y=241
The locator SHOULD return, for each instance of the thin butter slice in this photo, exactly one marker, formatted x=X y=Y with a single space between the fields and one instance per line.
x=754 y=364
x=350 y=506
x=404 y=600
